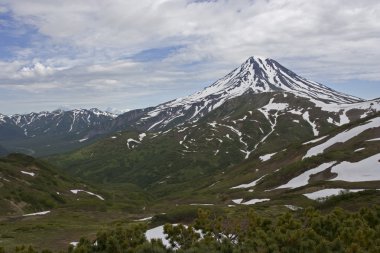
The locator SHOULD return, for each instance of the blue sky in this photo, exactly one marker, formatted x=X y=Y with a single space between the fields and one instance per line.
x=128 y=54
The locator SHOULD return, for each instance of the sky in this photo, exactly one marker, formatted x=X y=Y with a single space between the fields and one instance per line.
x=132 y=54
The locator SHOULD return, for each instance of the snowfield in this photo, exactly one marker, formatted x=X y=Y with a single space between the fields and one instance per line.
x=343 y=137
x=157 y=233
x=303 y=179
x=328 y=193
x=365 y=170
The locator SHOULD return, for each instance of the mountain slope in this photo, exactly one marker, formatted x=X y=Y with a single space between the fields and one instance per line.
x=241 y=128
x=28 y=185
x=204 y=163
x=348 y=161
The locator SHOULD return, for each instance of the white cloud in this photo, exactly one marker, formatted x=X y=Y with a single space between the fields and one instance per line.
x=37 y=70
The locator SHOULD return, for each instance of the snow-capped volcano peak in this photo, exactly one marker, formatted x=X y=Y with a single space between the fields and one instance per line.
x=255 y=75
x=260 y=74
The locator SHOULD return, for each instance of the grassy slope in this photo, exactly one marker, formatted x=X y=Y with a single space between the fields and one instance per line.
x=205 y=151
x=71 y=216
x=125 y=202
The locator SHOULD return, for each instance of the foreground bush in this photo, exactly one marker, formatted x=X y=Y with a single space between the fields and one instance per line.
x=308 y=231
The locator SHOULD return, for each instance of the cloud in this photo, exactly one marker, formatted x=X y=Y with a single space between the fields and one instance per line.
x=181 y=46
x=37 y=70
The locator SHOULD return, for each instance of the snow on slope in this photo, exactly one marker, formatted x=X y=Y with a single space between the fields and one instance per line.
x=365 y=170
x=315 y=140
x=343 y=108
x=157 y=233
x=32 y=174
x=35 y=214
x=376 y=139
x=328 y=193
x=254 y=201
x=89 y=193
x=249 y=185
x=303 y=179
x=3 y=118
x=267 y=157
x=343 y=137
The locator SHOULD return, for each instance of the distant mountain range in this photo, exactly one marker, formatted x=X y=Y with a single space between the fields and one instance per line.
x=53 y=123
x=50 y=132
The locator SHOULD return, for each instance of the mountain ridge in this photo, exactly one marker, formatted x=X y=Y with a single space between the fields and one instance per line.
x=256 y=77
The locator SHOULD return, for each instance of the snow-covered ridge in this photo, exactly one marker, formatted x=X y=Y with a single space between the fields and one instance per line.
x=58 y=121
x=3 y=118
x=27 y=119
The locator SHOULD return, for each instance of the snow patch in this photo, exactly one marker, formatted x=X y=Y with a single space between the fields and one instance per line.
x=376 y=139
x=303 y=179
x=35 y=214
x=195 y=204
x=145 y=219
x=306 y=117
x=328 y=193
x=74 y=244
x=142 y=136
x=315 y=140
x=130 y=140
x=249 y=185
x=90 y=193
x=237 y=201
x=157 y=233
x=343 y=137
x=365 y=170
x=293 y=208
x=254 y=201
x=266 y=157
x=28 y=173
